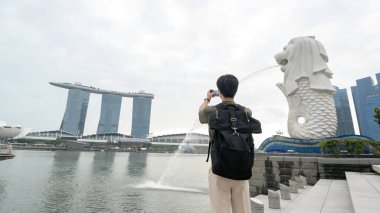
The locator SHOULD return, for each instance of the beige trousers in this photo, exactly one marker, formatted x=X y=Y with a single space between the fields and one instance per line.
x=228 y=195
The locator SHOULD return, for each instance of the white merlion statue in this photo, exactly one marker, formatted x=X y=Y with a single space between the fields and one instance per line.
x=308 y=89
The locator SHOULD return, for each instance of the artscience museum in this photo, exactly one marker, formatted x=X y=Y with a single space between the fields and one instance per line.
x=12 y=132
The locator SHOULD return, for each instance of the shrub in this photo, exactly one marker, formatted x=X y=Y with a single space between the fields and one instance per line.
x=352 y=146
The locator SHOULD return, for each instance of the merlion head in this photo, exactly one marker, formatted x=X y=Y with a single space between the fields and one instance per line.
x=305 y=57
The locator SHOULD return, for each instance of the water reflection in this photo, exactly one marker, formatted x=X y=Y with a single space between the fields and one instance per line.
x=99 y=196
x=2 y=190
x=102 y=164
x=137 y=164
x=61 y=185
x=133 y=200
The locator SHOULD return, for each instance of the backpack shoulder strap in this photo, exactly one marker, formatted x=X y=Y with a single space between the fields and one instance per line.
x=240 y=107
x=219 y=106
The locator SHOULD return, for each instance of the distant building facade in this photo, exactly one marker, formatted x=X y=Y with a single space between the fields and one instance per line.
x=77 y=104
x=282 y=144
x=54 y=134
x=76 y=111
x=109 y=114
x=343 y=113
x=141 y=117
x=183 y=142
x=366 y=97
x=194 y=138
x=110 y=137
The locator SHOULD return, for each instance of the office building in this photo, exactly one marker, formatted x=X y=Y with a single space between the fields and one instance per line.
x=366 y=97
x=76 y=111
x=343 y=113
x=109 y=114
x=141 y=117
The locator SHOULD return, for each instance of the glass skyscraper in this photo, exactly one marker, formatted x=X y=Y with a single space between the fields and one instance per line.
x=343 y=113
x=109 y=114
x=76 y=111
x=141 y=117
x=366 y=97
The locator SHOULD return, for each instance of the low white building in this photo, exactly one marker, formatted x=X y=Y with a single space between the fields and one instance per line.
x=50 y=135
x=113 y=137
x=192 y=138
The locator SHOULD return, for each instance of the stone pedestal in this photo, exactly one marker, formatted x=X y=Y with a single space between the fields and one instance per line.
x=257 y=206
x=304 y=180
x=299 y=182
x=285 y=192
x=293 y=186
x=274 y=199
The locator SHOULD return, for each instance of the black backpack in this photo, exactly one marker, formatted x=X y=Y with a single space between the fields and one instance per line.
x=232 y=148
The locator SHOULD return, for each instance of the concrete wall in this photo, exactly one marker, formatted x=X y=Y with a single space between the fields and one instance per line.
x=270 y=170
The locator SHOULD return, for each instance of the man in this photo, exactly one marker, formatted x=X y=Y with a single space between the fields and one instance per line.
x=226 y=195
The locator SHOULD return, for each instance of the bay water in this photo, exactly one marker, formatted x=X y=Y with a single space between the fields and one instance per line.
x=64 y=181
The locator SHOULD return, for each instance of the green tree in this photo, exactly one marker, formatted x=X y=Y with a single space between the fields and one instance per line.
x=377 y=115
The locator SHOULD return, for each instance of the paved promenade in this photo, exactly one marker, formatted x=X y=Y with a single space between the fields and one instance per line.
x=359 y=193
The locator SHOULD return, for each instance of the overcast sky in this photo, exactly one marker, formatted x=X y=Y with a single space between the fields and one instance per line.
x=174 y=49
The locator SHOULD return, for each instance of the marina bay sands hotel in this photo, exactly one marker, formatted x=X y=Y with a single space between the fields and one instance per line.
x=77 y=103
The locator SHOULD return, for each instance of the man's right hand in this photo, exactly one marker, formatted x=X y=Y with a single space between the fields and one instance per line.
x=209 y=94
x=206 y=101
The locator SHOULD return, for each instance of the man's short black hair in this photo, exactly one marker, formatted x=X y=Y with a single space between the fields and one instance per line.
x=227 y=85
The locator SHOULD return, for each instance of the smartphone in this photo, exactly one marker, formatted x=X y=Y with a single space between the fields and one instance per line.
x=214 y=93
